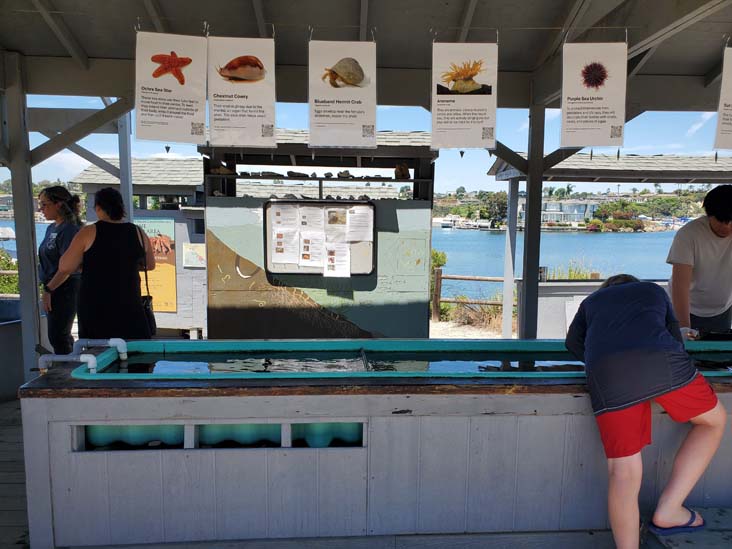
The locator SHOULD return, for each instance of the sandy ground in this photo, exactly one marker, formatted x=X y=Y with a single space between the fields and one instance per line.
x=451 y=330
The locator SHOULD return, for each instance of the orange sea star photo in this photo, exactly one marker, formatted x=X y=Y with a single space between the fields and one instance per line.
x=171 y=64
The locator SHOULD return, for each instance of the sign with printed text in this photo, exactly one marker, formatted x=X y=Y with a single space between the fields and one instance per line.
x=241 y=91
x=593 y=94
x=464 y=91
x=723 y=139
x=162 y=279
x=342 y=94
x=170 y=87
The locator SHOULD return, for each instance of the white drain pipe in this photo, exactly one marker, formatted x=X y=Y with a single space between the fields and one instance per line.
x=45 y=361
x=119 y=344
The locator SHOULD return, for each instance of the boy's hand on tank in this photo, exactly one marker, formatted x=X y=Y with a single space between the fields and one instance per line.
x=689 y=333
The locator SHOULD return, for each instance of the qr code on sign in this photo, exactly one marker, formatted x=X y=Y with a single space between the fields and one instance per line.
x=267 y=130
x=487 y=133
x=367 y=131
x=197 y=128
x=616 y=131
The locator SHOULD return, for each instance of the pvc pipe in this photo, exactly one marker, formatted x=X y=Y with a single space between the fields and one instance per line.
x=45 y=361
x=119 y=344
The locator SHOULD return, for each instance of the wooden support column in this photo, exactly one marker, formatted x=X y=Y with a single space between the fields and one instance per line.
x=125 y=164
x=509 y=259
x=532 y=225
x=25 y=229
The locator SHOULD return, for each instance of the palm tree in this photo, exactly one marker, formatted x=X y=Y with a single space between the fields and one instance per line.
x=634 y=190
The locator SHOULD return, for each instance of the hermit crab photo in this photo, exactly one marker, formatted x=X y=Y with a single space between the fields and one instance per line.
x=594 y=75
x=459 y=79
x=245 y=68
x=347 y=72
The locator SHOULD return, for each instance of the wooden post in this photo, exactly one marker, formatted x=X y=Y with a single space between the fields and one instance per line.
x=436 y=295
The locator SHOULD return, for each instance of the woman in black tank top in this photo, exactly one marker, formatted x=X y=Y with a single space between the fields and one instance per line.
x=110 y=253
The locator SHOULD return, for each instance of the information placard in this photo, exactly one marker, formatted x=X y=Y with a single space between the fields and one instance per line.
x=241 y=91
x=170 y=87
x=723 y=138
x=163 y=280
x=332 y=238
x=593 y=94
x=464 y=91
x=342 y=94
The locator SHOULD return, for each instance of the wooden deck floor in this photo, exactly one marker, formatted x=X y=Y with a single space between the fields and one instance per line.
x=13 y=521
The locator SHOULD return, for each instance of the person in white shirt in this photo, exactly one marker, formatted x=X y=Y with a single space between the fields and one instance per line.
x=701 y=279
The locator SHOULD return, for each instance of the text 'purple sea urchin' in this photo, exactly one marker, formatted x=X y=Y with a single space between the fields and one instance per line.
x=594 y=75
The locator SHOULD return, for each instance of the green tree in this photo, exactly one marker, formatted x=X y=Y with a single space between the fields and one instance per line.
x=549 y=191
x=8 y=283
x=657 y=187
x=560 y=193
x=495 y=207
x=569 y=188
x=460 y=192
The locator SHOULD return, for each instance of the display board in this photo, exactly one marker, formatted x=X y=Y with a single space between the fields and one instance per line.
x=330 y=238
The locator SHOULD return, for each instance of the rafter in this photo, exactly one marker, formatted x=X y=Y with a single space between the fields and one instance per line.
x=662 y=21
x=156 y=15
x=259 y=16
x=56 y=22
x=86 y=154
x=513 y=158
x=80 y=130
x=467 y=20
x=569 y=30
x=713 y=75
x=636 y=63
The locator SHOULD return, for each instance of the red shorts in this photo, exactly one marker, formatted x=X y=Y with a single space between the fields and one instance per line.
x=625 y=432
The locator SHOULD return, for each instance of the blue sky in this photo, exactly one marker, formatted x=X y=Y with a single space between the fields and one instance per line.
x=651 y=133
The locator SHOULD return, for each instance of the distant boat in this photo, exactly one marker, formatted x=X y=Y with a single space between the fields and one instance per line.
x=7 y=233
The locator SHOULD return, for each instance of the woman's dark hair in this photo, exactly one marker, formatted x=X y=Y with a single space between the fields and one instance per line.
x=69 y=205
x=718 y=203
x=109 y=200
x=616 y=280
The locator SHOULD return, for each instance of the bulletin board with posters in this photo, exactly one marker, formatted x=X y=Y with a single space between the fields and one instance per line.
x=330 y=238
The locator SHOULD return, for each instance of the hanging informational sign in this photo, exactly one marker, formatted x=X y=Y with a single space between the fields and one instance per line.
x=170 y=87
x=162 y=280
x=241 y=91
x=342 y=92
x=464 y=91
x=723 y=138
x=593 y=94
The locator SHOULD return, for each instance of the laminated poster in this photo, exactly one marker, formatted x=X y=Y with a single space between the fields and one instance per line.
x=337 y=260
x=360 y=224
x=312 y=249
x=241 y=91
x=593 y=94
x=170 y=87
x=162 y=279
x=723 y=138
x=464 y=91
x=285 y=246
x=342 y=94
x=336 y=224
x=284 y=216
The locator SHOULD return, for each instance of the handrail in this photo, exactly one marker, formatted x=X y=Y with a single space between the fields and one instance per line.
x=437 y=293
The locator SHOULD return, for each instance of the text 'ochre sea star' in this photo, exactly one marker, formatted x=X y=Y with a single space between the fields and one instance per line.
x=170 y=64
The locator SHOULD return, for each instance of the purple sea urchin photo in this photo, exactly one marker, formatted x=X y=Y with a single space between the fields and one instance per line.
x=594 y=75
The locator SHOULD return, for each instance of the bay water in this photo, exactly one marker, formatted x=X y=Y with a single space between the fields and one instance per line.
x=480 y=253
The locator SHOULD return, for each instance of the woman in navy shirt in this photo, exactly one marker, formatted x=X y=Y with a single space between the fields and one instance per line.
x=62 y=208
x=629 y=339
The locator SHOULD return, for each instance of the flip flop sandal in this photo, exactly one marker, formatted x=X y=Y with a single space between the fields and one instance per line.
x=684 y=528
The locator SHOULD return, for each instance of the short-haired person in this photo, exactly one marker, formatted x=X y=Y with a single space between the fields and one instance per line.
x=111 y=253
x=62 y=208
x=628 y=337
x=701 y=277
